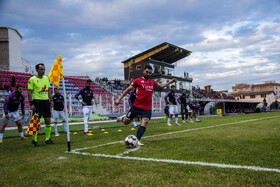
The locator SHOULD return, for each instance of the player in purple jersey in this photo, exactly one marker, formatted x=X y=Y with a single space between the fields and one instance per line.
x=173 y=109
x=58 y=113
x=183 y=102
x=87 y=102
x=191 y=107
x=131 y=99
x=11 y=104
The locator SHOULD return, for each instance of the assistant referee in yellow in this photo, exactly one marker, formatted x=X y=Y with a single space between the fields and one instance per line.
x=39 y=95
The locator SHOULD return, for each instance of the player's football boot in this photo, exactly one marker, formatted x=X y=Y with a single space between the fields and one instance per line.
x=56 y=134
x=168 y=124
x=88 y=133
x=49 y=141
x=1 y=141
x=177 y=124
x=119 y=119
x=34 y=144
x=139 y=143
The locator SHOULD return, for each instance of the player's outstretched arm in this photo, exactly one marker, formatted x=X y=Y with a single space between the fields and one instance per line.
x=166 y=84
x=124 y=94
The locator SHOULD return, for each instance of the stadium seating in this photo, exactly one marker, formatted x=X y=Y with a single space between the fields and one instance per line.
x=72 y=86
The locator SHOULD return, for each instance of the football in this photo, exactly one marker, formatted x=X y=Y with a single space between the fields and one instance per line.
x=131 y=141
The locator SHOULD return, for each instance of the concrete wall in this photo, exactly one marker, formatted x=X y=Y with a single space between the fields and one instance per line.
x=15 y=50
x=4 y=49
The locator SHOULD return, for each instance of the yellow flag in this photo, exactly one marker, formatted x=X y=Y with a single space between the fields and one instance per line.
x=34 y=125
x=56 y=72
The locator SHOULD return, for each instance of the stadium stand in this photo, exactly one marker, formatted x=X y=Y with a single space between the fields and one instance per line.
x=72 y=85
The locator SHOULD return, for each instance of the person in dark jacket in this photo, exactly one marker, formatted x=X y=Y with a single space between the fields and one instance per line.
x=58 y=113
x=131 y=99
x=87 y=102
x=183 y=102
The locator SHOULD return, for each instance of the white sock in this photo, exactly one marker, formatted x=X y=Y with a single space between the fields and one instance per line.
x=64 y=125
x=135 y=123
x=176 y=120
x=196 y=119
x=55 y=128
x=86 y=127
x=21 y=134
x=169 y=120
x=1 y=136
x=191 y=119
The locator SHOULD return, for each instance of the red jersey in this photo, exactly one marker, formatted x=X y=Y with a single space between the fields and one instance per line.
x=144 y=91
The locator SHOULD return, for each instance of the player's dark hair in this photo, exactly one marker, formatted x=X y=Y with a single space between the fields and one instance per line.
x=18 y=86
x=55 y=88
x=147 y=66
x=38 y=65
x=172 y=86
x=183 y=89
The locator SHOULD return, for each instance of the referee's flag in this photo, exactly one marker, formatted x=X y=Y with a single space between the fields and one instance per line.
x=34 y=125
x=56 y=72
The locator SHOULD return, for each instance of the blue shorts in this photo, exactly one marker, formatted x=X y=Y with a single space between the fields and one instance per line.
x=143 y=113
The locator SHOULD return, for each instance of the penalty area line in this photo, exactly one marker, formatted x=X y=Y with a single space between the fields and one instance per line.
x=255 y=168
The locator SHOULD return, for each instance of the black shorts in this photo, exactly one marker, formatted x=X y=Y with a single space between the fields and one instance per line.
x=43 y=108
x=143 y=113
x=184 y=109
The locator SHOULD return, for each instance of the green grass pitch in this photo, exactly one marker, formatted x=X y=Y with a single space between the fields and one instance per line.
x=219 y=151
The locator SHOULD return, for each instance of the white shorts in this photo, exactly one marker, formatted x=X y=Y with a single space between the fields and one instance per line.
x=13 y=115
x=87 y=110
x=58 y=115
x=189 y=109
x=173 y=109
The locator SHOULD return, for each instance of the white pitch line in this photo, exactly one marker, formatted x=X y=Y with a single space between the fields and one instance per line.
x=130 y=150
x=256 y=168
x=168 y=133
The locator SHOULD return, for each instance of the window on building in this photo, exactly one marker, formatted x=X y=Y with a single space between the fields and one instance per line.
x=157 y=69
x=138 y=67
x=263 y=95
x=242 y=97
x=252 y=96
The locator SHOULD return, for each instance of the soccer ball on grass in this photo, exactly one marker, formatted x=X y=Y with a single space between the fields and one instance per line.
x=131 y=141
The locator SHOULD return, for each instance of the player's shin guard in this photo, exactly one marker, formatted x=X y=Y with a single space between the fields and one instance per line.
x=86 y=127
x=55 y=128
x=48 y=131
x=86 y=122
x=34 y=137
x=169 y=119
x=140 y=132
x=64 y=126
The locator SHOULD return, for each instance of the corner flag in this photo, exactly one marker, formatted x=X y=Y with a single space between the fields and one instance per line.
x=56 y=72
x=34 y=125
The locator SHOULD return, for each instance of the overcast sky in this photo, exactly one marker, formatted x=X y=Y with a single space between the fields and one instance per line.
x=231 y=41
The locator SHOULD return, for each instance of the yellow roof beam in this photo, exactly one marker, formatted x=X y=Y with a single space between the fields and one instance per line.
x=145 y=56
